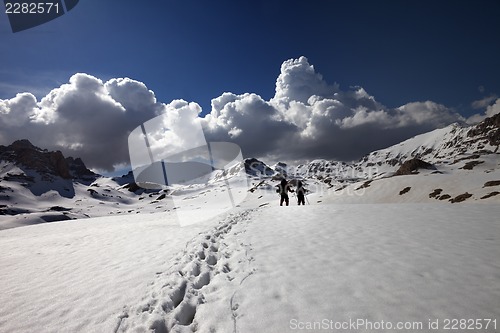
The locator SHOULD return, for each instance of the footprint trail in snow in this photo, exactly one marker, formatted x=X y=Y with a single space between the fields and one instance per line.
x=203 y=281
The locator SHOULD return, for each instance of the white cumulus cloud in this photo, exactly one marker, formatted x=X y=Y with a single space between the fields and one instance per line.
x=309 y=118
x=306 y=118
x=84 y=118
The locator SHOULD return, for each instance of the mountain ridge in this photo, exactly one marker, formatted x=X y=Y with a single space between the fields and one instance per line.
x=24 y=153
x=455 y=161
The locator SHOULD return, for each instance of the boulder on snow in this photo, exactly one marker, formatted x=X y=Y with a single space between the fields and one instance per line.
x=405 y=190
x=444 y=197
x=411 y=167
x=492 y=183
x=435 y=193
x=470 y=165
x=461 y=197
x=491 y=194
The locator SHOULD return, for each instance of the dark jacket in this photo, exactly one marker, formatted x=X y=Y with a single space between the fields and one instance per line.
x=284 y=188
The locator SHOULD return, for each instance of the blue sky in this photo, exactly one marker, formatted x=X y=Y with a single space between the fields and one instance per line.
x=399 y=51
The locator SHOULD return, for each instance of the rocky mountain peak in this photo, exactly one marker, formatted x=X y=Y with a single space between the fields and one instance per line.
x=23 y=144
x=281 y=168
x=78 y=169
x=488 y=129
x=23 y=152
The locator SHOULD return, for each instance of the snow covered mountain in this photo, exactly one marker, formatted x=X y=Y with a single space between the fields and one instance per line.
x=463 y=161
x=39 y=186
x=448 y=145
x=454 y=161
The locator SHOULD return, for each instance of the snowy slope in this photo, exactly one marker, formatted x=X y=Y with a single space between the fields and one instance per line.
x=449 y=180
x=76 y=277
x=265 y=269
x=463 y=161
x=448 y=145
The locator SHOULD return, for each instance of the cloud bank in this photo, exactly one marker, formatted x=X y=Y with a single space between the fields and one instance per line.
x=307 y=118
x=84 y=118
x=492 y=105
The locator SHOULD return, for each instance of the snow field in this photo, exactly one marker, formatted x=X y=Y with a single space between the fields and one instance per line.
x=253 y=270
x=405 y=263
x=76 y=276
x=375 y=262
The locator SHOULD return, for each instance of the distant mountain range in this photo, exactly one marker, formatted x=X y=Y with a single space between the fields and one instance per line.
x=39 y=186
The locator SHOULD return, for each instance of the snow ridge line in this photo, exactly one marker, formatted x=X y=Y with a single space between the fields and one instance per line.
x=177 y=293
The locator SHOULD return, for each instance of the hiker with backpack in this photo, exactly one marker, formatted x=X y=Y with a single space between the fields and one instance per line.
x=301 y=192
x=283 y=189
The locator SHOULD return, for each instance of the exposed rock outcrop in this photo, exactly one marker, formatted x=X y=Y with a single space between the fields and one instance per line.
x=412 y=166
x=78 y=169
x=254 y=167
x=24 y=153
x=488 y=129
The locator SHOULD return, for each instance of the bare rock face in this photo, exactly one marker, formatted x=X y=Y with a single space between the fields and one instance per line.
x=22 y=144
x=78 y=169
x=255 y=167
x=59 y=164
x=488 y=129
x=281 y=169
x=22 y=152
x=411 y=167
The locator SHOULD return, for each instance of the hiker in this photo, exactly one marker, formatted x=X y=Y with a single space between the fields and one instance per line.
x=283 y=189
x=301 y=192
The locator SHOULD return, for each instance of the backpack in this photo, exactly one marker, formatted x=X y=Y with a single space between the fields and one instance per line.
x=301 y=190
x=282 y=187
